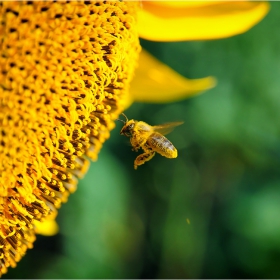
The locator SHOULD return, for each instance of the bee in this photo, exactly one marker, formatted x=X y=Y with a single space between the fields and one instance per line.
x=149 y=138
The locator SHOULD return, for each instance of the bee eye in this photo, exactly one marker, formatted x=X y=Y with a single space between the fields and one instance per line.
x=131 y=126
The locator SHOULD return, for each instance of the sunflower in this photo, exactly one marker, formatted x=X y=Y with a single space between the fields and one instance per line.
x=65 y=72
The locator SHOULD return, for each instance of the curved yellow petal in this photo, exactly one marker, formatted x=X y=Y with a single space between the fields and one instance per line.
x=155 y=82
x=184 y=4
x=181 y=21
x=48 y=227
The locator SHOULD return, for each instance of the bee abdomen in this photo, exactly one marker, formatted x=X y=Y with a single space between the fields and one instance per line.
x=162 y=145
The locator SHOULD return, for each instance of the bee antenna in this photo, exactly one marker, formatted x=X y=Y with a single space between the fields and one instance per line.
x=120 y=120
x=125 y=117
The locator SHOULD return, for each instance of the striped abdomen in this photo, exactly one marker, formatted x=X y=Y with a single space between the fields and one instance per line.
x=162 y=145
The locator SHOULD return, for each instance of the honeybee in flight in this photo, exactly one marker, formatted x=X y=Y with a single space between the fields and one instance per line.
x=149 y=138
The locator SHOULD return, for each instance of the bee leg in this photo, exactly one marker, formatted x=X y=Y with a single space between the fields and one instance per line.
x=136 y=148
x=137 y=143
x=141 y=159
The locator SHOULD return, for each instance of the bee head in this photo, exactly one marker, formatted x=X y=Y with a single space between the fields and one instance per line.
x=128 y=127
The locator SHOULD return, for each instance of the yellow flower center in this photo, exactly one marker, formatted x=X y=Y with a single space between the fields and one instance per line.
x=65 y=70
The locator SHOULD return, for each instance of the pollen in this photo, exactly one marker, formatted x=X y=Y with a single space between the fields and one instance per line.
x=65 y=68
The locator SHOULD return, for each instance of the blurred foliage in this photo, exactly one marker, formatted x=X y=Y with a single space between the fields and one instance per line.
x=211 y=213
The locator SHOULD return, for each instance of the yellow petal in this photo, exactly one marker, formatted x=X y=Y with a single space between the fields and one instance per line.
x=155 y=82
x=181 y=21
x=184 y=4
x=48 y=227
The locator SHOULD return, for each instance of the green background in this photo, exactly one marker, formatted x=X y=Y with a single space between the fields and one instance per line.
x=123 y=223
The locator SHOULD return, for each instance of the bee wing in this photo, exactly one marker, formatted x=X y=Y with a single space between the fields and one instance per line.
x=166 y=127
